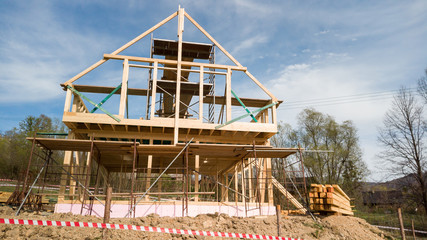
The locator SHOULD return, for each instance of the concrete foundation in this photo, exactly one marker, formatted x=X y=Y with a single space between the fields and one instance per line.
x=170 y=209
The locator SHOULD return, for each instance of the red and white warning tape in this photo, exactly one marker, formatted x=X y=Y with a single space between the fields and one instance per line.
x=137 y=228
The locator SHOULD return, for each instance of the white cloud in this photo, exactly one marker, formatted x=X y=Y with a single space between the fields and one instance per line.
x=40 y=53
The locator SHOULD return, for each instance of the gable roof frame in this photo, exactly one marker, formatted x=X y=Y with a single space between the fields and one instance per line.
x=161 y=23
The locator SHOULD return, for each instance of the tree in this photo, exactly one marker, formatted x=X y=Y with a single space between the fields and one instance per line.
x=340 y=163
x=422 y=86
x=402 y=137
x=15 y=149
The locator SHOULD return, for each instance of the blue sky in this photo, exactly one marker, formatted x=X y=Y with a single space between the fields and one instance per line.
x=300 y=50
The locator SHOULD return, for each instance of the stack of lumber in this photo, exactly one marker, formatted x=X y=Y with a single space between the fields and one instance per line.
x=4 y=196
x=329 y=199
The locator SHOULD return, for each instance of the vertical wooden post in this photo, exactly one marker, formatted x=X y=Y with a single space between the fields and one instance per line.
x=243 y=182
x=402 y=229
x=226 y=189
x=273 y=114
x=251 y=199
x=236 y=185
x=278 y=214
x=73 y=171
x=132 y=187
x=148 y=176
x=178 y=75
x=201 y=94
x=123 y=94
x=228 y=95
x=196 y=177
x=64 y=177
x=262 y=167
x=67 y=101
x=413 y=229
x=107 y=209
x=159 y=183
x=153 y=90
x=269 y=181
x=107 y=204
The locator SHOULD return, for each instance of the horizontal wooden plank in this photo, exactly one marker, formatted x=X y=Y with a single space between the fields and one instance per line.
x=173 y=62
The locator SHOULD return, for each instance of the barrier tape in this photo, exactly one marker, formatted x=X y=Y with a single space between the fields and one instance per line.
x=138 y=228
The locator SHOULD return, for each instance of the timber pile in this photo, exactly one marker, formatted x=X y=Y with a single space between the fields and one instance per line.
x=329 y=199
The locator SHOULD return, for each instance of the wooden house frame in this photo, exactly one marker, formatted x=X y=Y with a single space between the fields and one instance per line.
x=230 y=161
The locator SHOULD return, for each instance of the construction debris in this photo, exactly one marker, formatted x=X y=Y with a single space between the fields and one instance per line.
x=329 y=200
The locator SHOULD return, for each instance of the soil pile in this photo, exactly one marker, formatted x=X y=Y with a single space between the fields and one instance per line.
x=332 y=227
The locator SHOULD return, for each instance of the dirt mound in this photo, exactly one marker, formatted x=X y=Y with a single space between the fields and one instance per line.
x=333 y=227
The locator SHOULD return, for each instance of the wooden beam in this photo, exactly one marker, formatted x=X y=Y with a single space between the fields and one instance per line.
x=174 y=62
x=226 y=189
x=68 y=100
x=201 y=75
x=251 y=199
x=212 y=40
x=178 y=75
x=236 y=185
x=196 y=176
x=261 y=86
x=130 y=43
x=228 y=95
x=148 y=177
x=153 y=90
x=269 y=181
x=123 y=94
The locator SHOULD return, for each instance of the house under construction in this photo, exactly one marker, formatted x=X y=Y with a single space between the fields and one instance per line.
x=181 y=152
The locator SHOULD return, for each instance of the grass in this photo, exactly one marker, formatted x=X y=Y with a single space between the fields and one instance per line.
x=390 y=218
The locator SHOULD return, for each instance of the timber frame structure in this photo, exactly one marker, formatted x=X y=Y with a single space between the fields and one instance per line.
x=174 y=160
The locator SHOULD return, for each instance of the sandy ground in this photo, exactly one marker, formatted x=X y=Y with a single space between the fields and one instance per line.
x=332 y=227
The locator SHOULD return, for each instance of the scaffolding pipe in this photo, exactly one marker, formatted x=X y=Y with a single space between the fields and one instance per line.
x=29 y=191
x=152 y=185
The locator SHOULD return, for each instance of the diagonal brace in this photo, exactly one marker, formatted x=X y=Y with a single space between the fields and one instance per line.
x=243 y=105
x=106 y=98
x=160 y=175
x=247 y=114
x=91 y=102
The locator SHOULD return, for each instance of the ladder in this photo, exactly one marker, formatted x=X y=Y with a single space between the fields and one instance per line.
x=288 y=195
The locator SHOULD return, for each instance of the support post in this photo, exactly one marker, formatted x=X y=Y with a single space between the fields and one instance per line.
x=262 y=181
x=269 y=181
x=236 y=185
x=153 y=91
x=196 y=177
x=228 y=95
x=278 y=219
x=88 y=168
x=68 y=100
x=133 y=178
x=148 y=177
x=74 y=169
x=64 y=177
x=413 y=229
x=107 y=210
x=178 y=75
x=226 y=189
x=251 y=199
x=201 y=94
x=402 y=229
x=123 y=94
x=107 y=204
x=242 y=167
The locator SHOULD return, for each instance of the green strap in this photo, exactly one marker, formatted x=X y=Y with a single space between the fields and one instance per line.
x=243 y=105
x=106 y=98
x=91 y=102
x=247 y=114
